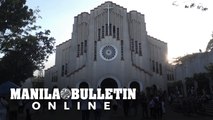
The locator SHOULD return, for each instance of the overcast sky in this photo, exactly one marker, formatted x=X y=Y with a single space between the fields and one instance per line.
x=185 y=30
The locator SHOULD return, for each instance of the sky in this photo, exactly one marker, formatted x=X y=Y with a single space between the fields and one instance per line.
x=185 y=30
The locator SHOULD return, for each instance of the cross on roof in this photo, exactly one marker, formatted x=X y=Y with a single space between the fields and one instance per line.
x=108 y=8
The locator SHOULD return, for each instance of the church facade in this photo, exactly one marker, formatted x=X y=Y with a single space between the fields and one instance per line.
x=109 y=47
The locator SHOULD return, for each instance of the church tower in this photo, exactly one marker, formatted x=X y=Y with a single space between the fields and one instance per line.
x=109 y=48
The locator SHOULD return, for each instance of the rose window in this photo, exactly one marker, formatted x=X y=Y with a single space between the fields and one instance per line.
x=108 y=52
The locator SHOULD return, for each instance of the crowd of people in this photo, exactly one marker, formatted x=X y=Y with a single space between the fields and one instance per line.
x=9 y=109
x=145 y=106
x=190 y=104
x=148 y=106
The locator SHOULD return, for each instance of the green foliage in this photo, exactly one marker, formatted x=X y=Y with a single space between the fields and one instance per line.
x=200 y=77
x=183 y=59
x=189 y=80
x=190 y=4
x=14 y=16
x=209 y=45
x=25 y=47
x=209 y=68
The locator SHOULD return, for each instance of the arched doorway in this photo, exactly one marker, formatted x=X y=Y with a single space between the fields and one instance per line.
x=135 y=84
x=109 y=83
x=83 y=85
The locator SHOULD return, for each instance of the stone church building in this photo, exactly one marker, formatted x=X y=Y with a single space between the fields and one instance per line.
x=109 y=47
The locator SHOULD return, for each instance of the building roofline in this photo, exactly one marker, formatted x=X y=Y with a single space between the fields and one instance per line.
x=156 y=39
x=131 y=11
x=50 y=68
x=105 y=3
x=63 y=43
x=81 y=14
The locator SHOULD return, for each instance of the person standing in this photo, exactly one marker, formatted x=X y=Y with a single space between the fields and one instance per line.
x=28 y=115
x=84 y=110
x=144 y=106
x=98 y=110
x=13 y=110
x=152 y=107
x=126 y=107
x=3 y=108
x=69 y=102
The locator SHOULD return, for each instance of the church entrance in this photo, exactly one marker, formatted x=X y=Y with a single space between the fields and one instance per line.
x=136 y=85
x=109 y=83
x=84 y=85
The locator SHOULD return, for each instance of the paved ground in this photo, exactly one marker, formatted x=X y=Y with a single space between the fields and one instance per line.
x=109 y=115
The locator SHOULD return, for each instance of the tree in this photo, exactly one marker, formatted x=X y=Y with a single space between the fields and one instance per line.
x=25 y=47
x=209 y=69
x=190 y=4
x=210 y=45
x=202 y=82
x=183 y=59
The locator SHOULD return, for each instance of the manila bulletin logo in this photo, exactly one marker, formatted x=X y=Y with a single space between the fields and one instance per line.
x=78 y=94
